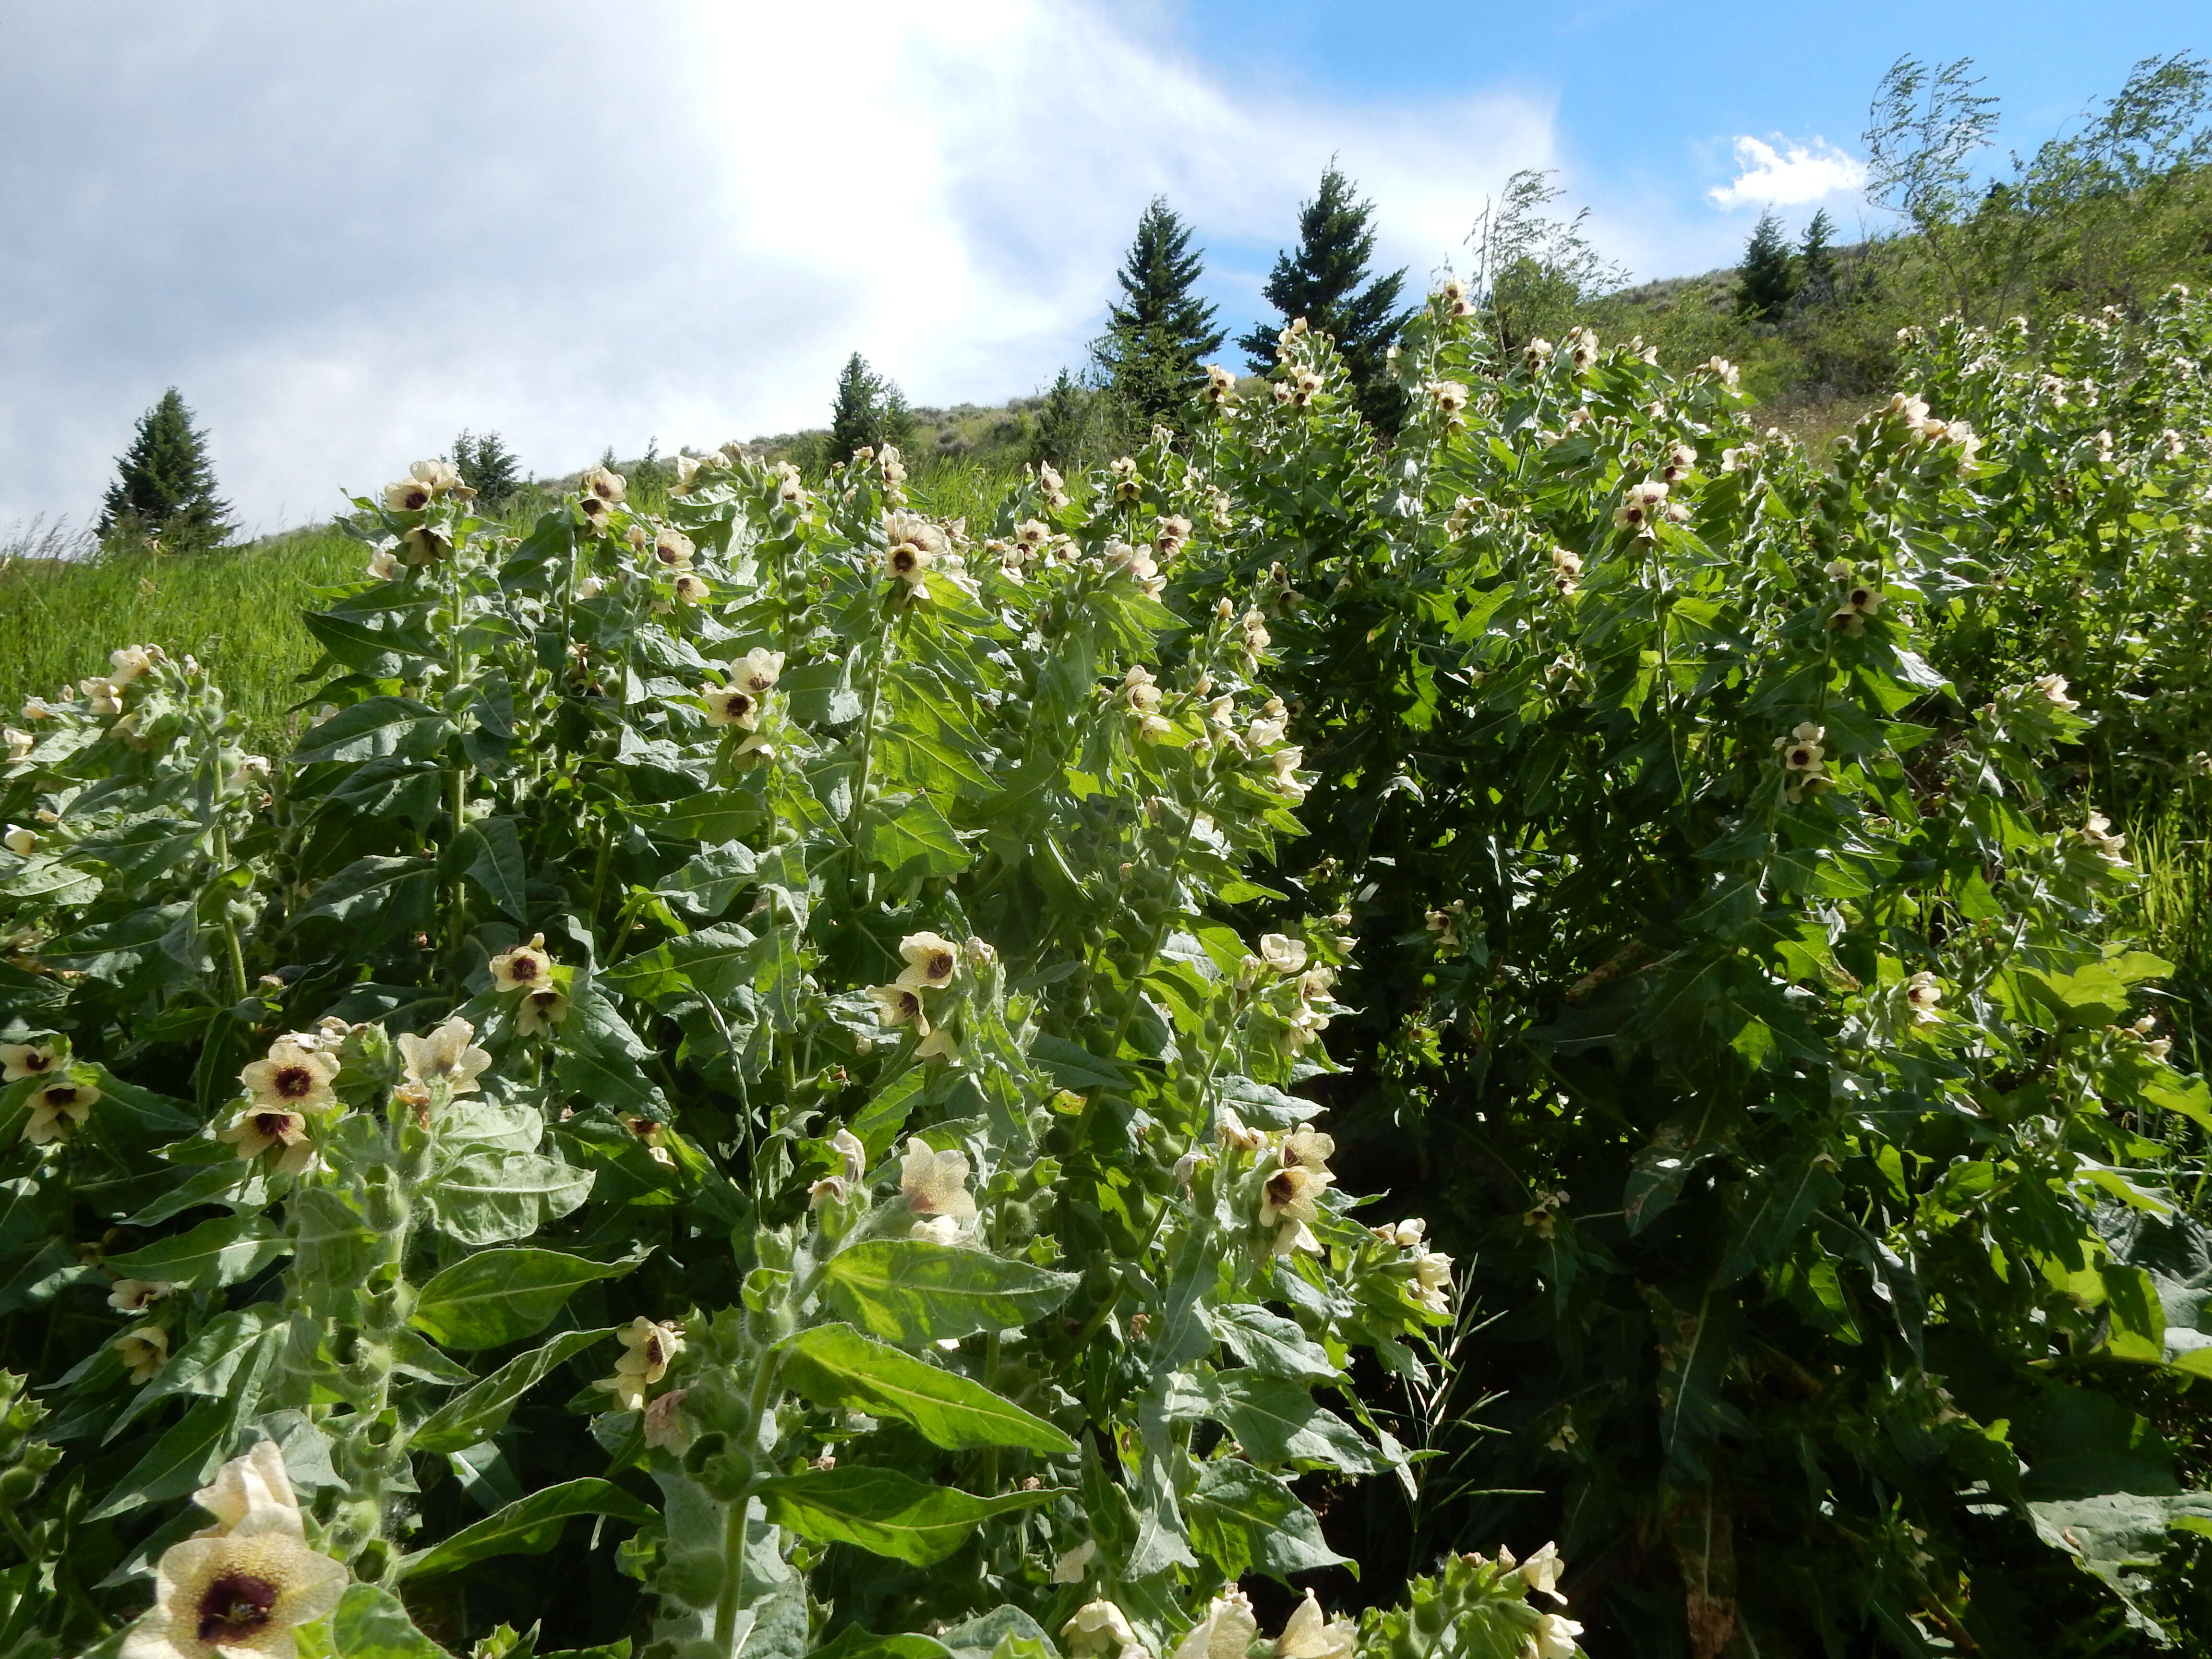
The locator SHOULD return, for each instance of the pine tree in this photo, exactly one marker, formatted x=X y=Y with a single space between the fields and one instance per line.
x=1327 y=282
x=488 y=467
x=1816 y=259
x=1159 y=334
x=1064 y=435
x=1766 y=280
x=870 y=412
x=165 y=484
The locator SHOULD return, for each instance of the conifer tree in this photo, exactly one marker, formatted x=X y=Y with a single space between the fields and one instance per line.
x=1064 y=434
x=1327 y=282
x=1766 y=279
x=165 y=484
x=488 y=467
x=870 y=412
x=1816 y=259
x=1159 y=334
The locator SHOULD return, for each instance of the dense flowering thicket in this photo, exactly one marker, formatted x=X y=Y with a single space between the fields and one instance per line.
x=1729 y=841
x=756 y=1082
x=725 y=1060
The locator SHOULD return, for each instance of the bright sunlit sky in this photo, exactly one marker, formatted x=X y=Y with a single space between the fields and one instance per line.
x=346 y=229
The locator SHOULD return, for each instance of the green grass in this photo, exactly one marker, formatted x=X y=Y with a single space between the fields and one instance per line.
x=236 y=609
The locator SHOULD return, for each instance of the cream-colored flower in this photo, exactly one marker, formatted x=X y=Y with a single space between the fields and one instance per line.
x=20 y=1059
x=672 y=548
x=900 y=1004
x=526 y=967
x=931 y=961
x=1449 y=397
x=849 y=1148
x=607 y=486
x=692 y=589
x=1231 y=1132
x=1098 y=1625
x=239 y=1594
x=132 y=661
x=1220 y=385
x=407 y=496
x=648 y=1348
x=1540 y=1572
x=1308 y=1633
x=19 y=742
x=294 y=1077
x=1228 y=1629
x=1553 y=1637
x=653 y=1136
x=1291 y=1193
x=757 y=671
x=936 y=1183
x=57 y=1109
x=103 y=697
x=423 y=545
x=258 y=1129
x=383 y=564
x=1071 y=1565
x=1432 y=1280
x=258 y=1481
x=21 y=841
x=1861 y=600
x=590 y=588
x=1802 y=751
x=446 y=1055
x=540 y=1010
x=1923 y=993
x=441 y=476
x=1282 y=953
x=1154 y=728
x=731 y=706
x=144 y=1350
x=136 y=1295
x=2054 y=689
x=2098 y=833
x=937 y=1229
x=1140 y=690
x=909 y=561
x=1641 y=506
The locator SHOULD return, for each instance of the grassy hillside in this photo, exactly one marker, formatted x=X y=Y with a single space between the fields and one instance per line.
x=237 y=610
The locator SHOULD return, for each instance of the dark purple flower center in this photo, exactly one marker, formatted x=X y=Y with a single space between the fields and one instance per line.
x=1282 y=1187
x=272 y=1124
x=61 y=1095
x=295 y=1082
x=234 y=1606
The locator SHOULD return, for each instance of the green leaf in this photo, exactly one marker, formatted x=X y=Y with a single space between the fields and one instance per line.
x=1243 y=1517
x=1270 y=1344
x=530 y=1526
x=488 y=1197
x=911 y=1292
x=497 y=1297
x=182 y=1461
x=372 y=1623
x=488 y=854
x=835 y=1366
x=481 y=1411
x=1073 y=1066
x=884 y=1511
x=910 y=838
x=223 y=1251
x=368 y=731
x=1277 y=1421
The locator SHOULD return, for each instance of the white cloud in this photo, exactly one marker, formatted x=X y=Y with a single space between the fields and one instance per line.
x=1789 y=177
x=345 y=232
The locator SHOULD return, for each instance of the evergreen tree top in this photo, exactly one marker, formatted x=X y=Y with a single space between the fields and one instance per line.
x=1767 y=277
x=1157 y=281
x=1327 y=281
x=165 y=484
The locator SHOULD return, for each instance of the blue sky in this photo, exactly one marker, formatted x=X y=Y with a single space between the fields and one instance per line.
x=347 y=230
